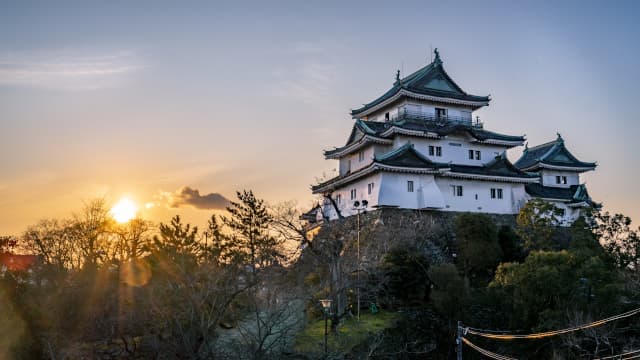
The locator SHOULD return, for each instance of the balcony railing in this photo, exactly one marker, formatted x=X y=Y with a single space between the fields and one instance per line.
x=442 y=120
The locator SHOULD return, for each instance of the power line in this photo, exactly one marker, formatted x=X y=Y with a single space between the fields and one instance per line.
x=486 y=352
x=489 y=335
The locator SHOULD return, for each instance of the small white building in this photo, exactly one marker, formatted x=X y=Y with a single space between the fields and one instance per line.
x=418 y=147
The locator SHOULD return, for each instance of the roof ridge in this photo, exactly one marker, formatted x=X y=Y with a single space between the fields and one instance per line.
x=550 y=151
x=391 y=153
x=543 y=144
x=364 y=126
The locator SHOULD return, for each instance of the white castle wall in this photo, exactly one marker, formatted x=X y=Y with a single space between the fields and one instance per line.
x=455 y=149
x=549 y=178
x=477 y=196
x=425 y=108
x=391 y=189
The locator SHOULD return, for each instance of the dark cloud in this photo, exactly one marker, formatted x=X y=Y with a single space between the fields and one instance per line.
x=187 y=196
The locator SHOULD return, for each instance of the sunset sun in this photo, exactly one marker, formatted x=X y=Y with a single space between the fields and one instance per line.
x=124 y=210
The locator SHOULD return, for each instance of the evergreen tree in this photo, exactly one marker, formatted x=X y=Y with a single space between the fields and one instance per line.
x=177 y=243
x=537 y=222
x=479 y=251
x=250 y=222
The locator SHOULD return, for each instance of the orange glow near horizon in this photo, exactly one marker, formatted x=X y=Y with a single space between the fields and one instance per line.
x=124 y=210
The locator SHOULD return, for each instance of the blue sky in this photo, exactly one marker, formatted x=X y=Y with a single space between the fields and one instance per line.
x=113 y=98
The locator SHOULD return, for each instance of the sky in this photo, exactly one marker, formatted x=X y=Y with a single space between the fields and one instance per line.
x=179 y=104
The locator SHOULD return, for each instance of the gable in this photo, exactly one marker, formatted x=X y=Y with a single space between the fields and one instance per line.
x=439 y=83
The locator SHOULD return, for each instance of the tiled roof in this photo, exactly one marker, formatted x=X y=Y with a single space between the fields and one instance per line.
x=407 y=156
x=431 y=80
x=554 y=154
x=448 y=128
x=500 y=166
x=572 y=194
x=379 y=132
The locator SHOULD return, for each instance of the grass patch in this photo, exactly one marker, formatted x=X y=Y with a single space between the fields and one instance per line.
x=350 y=333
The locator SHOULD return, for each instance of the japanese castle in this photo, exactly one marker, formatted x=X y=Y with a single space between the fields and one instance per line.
x=418 y=147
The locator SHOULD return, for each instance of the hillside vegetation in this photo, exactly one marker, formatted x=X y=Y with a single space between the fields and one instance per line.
x=248 y=286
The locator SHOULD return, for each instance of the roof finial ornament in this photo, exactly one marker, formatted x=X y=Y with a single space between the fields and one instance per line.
x=526 y=146
x=437 y=56
x=398 y=75
x=559 y=136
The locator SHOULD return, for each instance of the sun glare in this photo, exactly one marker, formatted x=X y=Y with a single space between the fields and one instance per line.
x=124 y=210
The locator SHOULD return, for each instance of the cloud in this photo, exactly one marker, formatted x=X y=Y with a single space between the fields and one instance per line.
x=187 y=196
x=67 y=70
x=311 y=77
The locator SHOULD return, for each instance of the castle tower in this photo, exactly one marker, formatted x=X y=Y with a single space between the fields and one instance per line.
x=417 y=147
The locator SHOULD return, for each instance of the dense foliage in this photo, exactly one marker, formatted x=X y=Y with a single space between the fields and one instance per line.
x=98 y=289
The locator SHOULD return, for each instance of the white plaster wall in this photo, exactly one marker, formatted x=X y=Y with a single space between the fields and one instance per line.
x=477 y=196
x=393 y=191
x=549 y=178
x=356 y=164
x=451 y=153
x=346 y=203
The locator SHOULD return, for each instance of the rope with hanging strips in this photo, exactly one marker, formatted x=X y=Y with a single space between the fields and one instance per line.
x=488 y=333
x=622 y=356
x=485 y=352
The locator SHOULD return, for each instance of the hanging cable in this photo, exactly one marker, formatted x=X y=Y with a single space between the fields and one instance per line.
x=487 y=334
x=486 y=352
x=621 y=356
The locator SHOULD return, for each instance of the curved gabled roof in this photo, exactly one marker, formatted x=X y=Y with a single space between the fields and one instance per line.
x=431 y=81
x=499 y=166
x=574 y=194
x=367 y=132
x=498 y=169
x=552 y=155
x=407 y=156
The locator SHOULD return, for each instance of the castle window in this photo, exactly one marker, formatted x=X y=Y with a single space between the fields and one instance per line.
x=457 y=190
x=338 y=199
x=409 y=186
x=386 y=116
x=477 y=154
x=349 y=166
x=441 y=114
x=361 y=156
x=438 y=150
x=431 y=150
x=496 y=193
x=561 y=180
x=471 y=154
x=353 y=194
x=474 y=154
x=369 y=188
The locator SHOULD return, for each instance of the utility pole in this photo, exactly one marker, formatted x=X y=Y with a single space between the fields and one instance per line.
x=358 y=273
x=459 y=341
x=358 y=208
